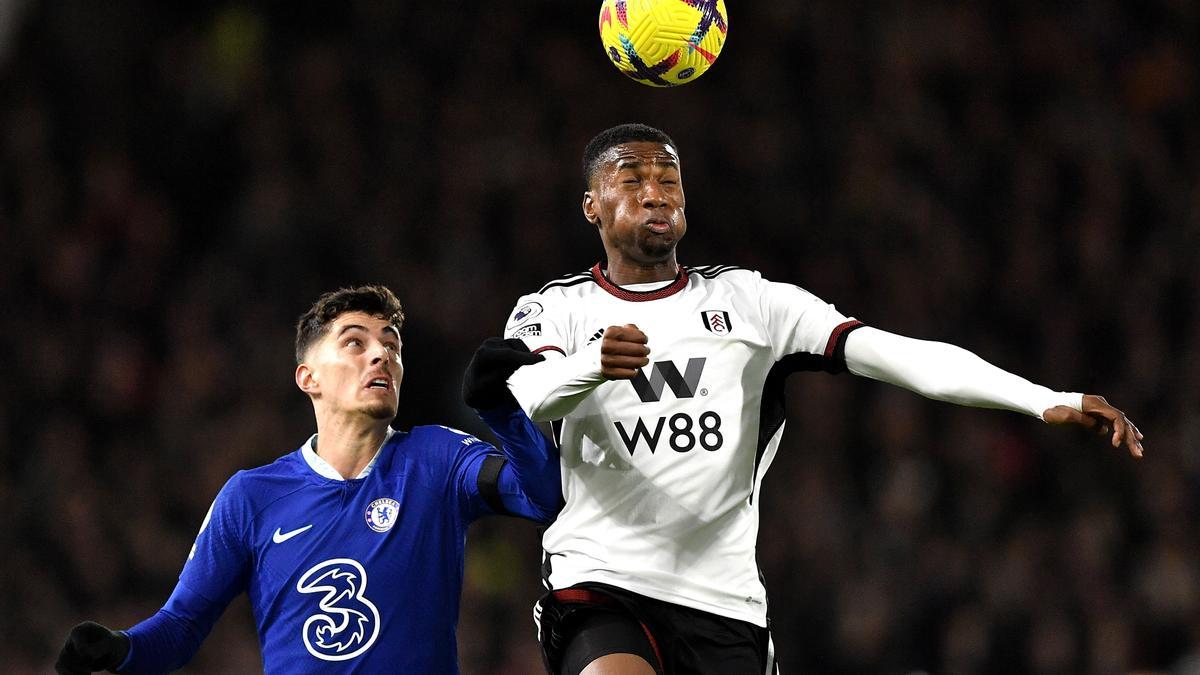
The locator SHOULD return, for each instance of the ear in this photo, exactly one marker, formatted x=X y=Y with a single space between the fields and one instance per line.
x=306 y=380
x=589 y=209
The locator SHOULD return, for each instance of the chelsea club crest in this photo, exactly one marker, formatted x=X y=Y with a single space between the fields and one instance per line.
x=381 y=514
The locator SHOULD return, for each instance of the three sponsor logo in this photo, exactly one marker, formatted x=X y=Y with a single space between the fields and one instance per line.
x=346 y=623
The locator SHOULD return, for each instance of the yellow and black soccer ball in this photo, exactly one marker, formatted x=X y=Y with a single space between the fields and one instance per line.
x=663 y=43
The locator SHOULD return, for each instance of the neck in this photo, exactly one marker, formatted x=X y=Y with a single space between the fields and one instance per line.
x=349 y=442
x=624 y=272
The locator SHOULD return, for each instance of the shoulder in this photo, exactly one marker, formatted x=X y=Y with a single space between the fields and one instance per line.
x=431 y=432
x=559 y=285
x=742 y=278
x=716 y=271
x=560 y=290
x=286 y=468
x=728 y=275
x=434 y=454
x=436 y=438
x=551 y=300
x=264 y=484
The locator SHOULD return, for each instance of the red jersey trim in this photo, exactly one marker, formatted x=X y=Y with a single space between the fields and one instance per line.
x=549 y=348
x=674 y=287
x=837 y=335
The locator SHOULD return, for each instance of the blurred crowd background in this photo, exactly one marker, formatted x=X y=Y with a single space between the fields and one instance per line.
x=179 y=181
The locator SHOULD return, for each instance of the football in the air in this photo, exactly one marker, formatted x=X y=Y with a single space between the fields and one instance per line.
x=663 y=43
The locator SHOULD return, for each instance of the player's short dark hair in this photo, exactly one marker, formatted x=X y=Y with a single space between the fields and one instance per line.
x=622 y=133
x=372 y=300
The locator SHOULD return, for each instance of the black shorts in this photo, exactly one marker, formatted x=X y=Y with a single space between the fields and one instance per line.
x=578 y=625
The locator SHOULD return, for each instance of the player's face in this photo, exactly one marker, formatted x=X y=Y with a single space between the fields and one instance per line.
x=356 y=367
x=636 y=200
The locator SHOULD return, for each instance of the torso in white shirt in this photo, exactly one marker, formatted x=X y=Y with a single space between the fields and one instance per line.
x=661 y=473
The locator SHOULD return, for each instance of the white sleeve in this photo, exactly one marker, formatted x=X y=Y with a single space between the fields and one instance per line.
x=947 y=373
x=551 y=389
x=539 y=323
x=798 y=321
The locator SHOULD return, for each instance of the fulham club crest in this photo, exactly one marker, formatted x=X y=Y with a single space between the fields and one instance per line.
x=716 y=321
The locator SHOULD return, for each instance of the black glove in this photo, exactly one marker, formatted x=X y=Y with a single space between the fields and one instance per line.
x=91 y=647
x=484 y=384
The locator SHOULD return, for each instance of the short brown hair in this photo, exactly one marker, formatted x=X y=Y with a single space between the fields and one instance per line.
x=374 y=300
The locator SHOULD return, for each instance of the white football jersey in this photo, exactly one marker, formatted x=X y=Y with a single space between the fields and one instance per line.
x=661 y=473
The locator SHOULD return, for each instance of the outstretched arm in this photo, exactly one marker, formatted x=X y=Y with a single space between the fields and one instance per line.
x=168 y=640
x=160 y=644
x=165 y=642
x=949 y=373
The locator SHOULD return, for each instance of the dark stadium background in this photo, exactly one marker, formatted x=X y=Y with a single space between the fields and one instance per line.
x=178 y=183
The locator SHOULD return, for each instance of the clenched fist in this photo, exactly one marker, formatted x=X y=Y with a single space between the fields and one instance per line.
x=623 y=352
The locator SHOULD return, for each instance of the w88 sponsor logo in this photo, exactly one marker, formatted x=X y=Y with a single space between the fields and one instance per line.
x=685 y=432
x=681 y=430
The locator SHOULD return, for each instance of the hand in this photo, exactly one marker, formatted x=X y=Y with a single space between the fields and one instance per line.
x=623 y=351
x=1098 y=415
x=91 y=647
x=485 y=384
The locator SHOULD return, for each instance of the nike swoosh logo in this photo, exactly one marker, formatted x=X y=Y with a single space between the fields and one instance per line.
x=280 y=537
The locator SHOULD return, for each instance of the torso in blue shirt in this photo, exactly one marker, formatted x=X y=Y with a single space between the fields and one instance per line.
x=361 y=574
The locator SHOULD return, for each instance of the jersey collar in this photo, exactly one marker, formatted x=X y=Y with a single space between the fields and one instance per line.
x=667 y=291
x=318 y=464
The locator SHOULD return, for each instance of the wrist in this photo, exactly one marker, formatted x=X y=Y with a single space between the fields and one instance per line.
x=499 y=411
x=123 y=649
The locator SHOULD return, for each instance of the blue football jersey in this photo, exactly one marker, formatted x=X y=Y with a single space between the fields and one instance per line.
x=349 y=576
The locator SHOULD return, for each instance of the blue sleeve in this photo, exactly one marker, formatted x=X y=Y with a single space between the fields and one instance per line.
x=529 y=483
x=169 y=639
x=216 y=571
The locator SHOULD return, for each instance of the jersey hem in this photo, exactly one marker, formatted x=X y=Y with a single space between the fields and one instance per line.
x=758 y=619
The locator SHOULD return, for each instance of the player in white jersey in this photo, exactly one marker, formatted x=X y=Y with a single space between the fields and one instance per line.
x=665 y=387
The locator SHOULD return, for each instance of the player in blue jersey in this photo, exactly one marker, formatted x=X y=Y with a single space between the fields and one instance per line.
x=351 y=547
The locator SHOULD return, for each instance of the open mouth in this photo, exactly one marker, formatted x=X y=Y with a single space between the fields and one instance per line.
x=380 y=383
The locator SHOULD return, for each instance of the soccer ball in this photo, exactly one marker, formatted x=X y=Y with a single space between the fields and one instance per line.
x=663 y=43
